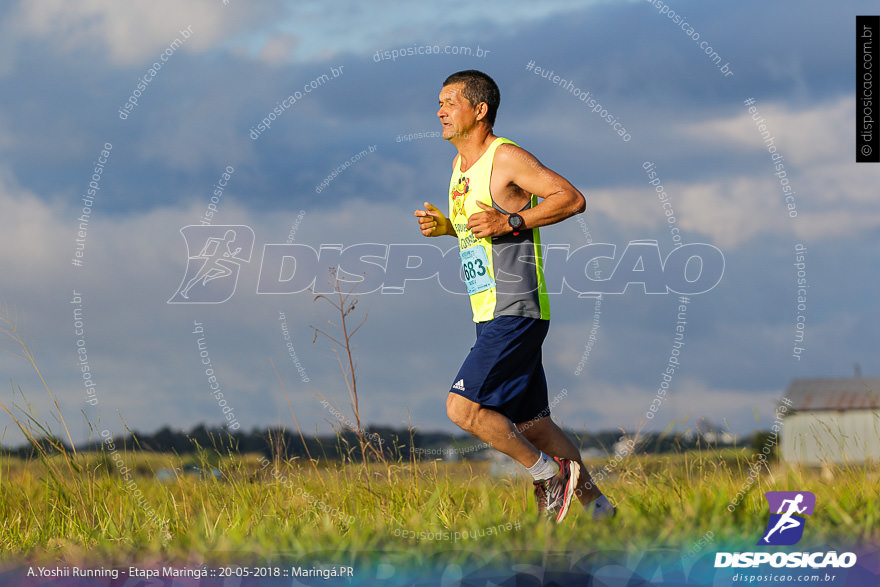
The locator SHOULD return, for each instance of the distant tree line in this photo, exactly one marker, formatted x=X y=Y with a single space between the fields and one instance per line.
x=394 y=443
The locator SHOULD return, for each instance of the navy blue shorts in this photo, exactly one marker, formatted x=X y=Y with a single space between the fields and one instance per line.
x=503 y=370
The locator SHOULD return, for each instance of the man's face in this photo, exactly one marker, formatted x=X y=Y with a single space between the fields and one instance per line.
x=456 y=114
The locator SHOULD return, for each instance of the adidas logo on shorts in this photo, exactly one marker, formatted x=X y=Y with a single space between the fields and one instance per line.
x=459 y=385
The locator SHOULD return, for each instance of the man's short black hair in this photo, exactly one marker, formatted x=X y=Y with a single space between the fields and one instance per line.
x=478 y=87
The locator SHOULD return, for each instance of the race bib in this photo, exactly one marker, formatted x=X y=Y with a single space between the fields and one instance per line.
x=476 y=270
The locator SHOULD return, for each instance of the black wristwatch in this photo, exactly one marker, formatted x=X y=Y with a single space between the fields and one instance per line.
x=516 y=222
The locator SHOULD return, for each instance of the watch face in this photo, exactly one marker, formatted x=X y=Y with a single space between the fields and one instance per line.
x=515 y=220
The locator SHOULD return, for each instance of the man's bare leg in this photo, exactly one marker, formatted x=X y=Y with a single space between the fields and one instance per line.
x=491 y=427
x=546 y=436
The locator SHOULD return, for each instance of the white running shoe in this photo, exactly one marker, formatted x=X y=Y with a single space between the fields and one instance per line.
x=554 y=494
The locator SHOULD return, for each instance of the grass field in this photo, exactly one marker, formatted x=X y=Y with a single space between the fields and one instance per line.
x=110 y=507
x=117 y=506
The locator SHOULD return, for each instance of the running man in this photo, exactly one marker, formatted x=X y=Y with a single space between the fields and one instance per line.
x=787 y=521
x=500 y=393
x=217 y=261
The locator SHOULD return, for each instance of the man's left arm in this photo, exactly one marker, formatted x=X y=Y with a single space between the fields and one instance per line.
x=518 y=167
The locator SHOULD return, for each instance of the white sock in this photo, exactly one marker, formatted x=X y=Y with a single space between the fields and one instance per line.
x=544 y=468
x=600 y=508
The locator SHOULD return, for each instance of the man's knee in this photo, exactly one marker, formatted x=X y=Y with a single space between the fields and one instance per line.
x=458 y=409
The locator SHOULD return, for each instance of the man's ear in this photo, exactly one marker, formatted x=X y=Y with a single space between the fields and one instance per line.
x=482 y=110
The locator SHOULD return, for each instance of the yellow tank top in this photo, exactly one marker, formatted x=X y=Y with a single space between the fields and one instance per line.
x=514 y=262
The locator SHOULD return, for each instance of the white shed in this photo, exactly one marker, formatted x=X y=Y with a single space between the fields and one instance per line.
x=831 y=421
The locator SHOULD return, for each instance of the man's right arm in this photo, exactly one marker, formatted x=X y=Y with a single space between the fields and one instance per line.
x=432 y=222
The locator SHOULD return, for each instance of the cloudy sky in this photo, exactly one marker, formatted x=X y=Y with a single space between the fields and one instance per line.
x=67 y=71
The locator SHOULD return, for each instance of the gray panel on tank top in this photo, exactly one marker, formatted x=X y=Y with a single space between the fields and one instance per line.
x=516 y=278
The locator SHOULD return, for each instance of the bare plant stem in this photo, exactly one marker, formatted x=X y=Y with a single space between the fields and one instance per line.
x=345 y=304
